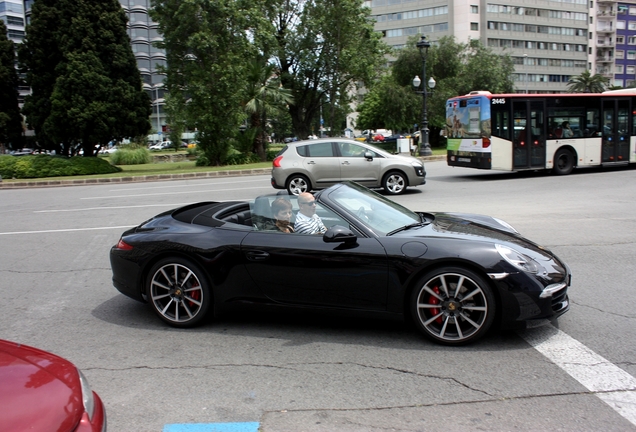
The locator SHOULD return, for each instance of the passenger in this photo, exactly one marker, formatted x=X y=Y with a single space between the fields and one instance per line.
x=307 y=221
x=282 y=212
x=567 y=132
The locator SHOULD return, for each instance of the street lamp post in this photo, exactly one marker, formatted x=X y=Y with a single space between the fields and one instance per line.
x=425 y=147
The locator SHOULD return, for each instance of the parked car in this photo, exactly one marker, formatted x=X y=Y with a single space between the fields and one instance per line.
x=40 y=391
x=161 y=146
x=315 y=164
x=22 y=152
x=108 y=150
x=454 y=274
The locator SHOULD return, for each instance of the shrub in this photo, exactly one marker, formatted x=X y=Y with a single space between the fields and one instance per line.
x=38 y=166
x=131 y=155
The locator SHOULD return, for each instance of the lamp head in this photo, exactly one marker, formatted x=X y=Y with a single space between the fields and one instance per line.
x=417 y=81
x=423 y=45
x=431 y=82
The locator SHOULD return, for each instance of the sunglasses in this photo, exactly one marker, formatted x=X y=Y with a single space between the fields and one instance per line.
x=309 y=203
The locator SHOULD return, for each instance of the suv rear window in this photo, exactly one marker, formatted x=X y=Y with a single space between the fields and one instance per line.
x=316 y=150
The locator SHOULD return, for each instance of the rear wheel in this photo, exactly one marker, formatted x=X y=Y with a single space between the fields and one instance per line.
x=394 y=183
x=178 y=292
x=298 y=184
x=453 y=306
x=563 y=162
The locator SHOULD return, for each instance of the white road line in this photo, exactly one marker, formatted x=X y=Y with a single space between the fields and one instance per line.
x=166 y=186
x=67 y=230
x=610 y=383
x=172 y=193
x=111 y=208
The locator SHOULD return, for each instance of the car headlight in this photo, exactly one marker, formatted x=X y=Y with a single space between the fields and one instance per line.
x=417 y=164
x=518 y=260
x=87 y=395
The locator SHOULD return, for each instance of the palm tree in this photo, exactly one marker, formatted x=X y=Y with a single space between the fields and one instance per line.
x=588 y=83
x=265 y=97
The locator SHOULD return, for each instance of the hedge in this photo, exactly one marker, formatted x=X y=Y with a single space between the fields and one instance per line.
x=38 y=166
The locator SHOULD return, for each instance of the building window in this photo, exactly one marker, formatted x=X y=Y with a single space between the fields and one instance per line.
x=474 y=9
x=620 y=54
x=631 y=70
x=620 y=40
x=631 y=40
x=631 y=55
x=632 y=10
x=619 y=69
x=474 y=26
x=620 y=25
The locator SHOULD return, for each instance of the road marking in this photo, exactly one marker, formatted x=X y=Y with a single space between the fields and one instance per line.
x=173 y=193
x=67 y=230
x=112 y=208
x=609 y=383
x=165 y=186
x=212 y=427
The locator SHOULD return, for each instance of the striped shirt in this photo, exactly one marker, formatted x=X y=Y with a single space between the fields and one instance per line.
x=309 y=225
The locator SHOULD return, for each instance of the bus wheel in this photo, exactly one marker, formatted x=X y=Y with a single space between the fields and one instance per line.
x=563 y=162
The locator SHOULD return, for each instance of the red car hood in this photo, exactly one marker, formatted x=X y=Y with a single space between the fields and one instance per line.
x=39 y=391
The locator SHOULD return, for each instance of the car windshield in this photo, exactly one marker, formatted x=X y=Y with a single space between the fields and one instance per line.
x=380 y=214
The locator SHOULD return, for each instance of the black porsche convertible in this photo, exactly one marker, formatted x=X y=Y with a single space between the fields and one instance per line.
x=454 y=274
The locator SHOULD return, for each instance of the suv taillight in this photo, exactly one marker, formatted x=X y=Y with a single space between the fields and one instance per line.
x=276 y=161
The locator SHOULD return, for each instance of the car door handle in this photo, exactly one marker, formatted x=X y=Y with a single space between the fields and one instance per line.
x=311 y=163
x=256 y=255
x=346 y=163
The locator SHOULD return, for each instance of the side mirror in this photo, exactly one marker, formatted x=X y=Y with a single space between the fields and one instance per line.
x=339 y=234
x=368 y=155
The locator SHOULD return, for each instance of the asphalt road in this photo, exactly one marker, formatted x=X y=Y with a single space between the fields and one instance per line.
x=312 y=373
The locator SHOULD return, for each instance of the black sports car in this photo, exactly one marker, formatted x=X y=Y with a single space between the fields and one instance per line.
x=454 y=274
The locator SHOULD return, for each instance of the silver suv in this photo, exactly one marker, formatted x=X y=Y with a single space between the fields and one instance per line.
x=303 y=166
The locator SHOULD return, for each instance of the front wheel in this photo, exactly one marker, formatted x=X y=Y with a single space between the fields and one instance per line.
x=563 y=162
x=298 y=184
x=453 y=306
x=178 y=292
x=394 y=183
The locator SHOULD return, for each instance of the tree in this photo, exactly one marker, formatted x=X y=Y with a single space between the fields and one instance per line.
x=10 y=118
x=322 y=48
x=457 y=68
x=588 y=83
x=265 y=96
x=207 y=44
x=86 y=87
x=389 y=105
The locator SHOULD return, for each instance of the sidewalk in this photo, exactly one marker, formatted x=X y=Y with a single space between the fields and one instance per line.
x=26 y=183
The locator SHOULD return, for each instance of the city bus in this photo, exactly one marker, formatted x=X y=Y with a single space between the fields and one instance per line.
x=558 y=132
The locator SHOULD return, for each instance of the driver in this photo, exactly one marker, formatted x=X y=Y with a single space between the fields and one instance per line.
x=307 y=221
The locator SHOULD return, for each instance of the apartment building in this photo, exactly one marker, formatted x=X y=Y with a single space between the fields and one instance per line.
x=547 y=39
x=12 y=13
x=143 y=32
x=612 y=50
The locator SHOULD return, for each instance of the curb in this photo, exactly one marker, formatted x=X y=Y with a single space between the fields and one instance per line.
x=147 y=178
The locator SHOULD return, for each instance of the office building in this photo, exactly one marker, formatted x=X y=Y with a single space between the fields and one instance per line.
x=547 y=40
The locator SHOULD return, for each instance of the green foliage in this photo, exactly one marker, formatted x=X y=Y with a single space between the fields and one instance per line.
x=588 y=83
x=265 y=98
x=324 y=48
x=87 y=89
x=130 y=156
x=458 y=68
x=389 y=106
x=10 y=119
x=207 y=45
x=38 y=166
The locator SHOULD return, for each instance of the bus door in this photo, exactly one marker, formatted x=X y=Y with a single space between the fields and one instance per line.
x=529 y=136
x=615 y=131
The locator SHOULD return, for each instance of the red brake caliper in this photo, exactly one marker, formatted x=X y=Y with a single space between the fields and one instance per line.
x=196 y=295
x=434 y=300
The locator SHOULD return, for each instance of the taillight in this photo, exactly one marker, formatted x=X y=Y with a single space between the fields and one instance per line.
x=276 y=161
x=122 y=245
x=485 y=143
